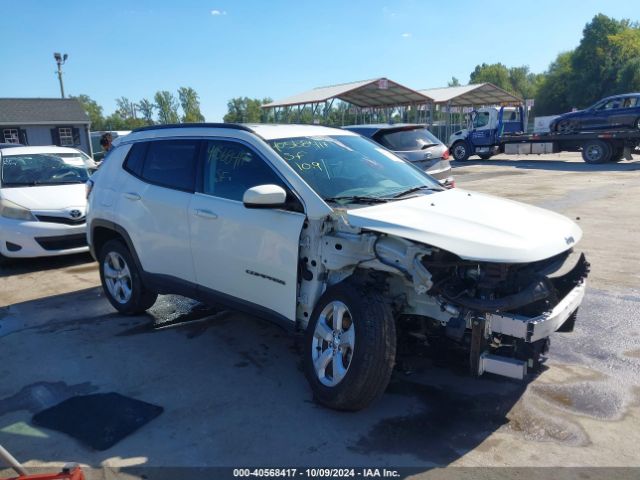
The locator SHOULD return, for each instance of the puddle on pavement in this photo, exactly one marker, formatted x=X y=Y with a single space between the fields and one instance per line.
x=589 y=399
x=539 y=423
x=174 y=311
x=42 y=395
x=447 y=424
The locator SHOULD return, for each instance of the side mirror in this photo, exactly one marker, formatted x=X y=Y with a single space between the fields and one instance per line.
x=264 y=196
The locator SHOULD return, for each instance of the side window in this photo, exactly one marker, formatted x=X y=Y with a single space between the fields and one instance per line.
x=171 y=163
x=612 y=104
x=481 y=119
x=231 y=168
x=135 y=158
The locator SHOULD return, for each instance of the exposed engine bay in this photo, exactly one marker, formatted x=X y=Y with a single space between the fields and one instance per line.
x=499 y=314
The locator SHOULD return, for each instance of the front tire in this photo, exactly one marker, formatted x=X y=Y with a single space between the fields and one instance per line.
x=460 y=151
x=121 y=280
x=350 y=347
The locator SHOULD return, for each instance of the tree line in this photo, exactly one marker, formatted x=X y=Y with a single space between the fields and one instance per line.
x=605 y=62
x=164 y=108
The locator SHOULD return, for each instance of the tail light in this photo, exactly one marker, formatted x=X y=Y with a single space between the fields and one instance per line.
x=88 y=186
x=445 y=155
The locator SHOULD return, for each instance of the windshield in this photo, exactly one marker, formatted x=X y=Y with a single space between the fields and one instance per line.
x=410 y=139
x=42 y=169
x=349 y=166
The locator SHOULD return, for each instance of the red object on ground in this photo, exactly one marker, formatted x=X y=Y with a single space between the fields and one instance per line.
x=74 y=473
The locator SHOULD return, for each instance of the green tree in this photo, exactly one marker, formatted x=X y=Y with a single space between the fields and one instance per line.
x=127 y=112
x=93 y=110
x=524 y=83
x=495 y=73
x=126 y=108
x=606 y=62
x=596 y=61
x=115 y=122
x=454 y=82
x=246 y=110
x=190 y=103
x=517 y=80
x=145 y=107
x=167 y=107
x=553 y=94
x=626 y=46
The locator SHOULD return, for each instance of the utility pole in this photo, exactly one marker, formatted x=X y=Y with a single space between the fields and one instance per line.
x=60 y=60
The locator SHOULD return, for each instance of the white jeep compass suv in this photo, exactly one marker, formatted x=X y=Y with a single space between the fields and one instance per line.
x=323 y=230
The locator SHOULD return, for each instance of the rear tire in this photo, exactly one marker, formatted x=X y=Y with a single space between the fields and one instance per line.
x=566 y=127
x=596 y=151
x=617 y=155
x=121 y=280
x=350 y=347
x=460 y=151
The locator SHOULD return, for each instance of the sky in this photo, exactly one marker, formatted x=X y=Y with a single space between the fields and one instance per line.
x=276 y=48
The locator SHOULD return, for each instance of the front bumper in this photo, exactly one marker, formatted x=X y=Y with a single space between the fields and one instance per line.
x=531 y=329
x=40 y=239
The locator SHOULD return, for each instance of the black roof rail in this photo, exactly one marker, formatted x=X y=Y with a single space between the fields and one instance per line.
x=233 y=126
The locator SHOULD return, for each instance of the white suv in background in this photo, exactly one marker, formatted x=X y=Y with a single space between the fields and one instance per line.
x=324 y=230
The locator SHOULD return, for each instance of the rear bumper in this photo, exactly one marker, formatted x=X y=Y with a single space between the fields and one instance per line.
x=440 y=170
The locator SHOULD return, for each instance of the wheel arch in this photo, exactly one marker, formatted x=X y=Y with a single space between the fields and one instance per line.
x=102 y=231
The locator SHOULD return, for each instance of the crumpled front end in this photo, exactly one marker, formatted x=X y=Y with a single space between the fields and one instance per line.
x=509 y=310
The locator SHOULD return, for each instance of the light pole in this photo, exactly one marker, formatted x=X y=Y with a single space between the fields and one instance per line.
x=60 y=60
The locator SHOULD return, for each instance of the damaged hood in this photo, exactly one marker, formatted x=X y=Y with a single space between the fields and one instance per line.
x=473 y=226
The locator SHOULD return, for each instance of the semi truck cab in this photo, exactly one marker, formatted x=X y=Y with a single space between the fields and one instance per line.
x=482 y=135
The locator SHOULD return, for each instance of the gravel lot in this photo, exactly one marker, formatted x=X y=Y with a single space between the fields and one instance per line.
x=233 y=390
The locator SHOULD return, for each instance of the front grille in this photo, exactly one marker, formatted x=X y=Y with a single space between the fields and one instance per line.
x=63 y=242
x=62 y=220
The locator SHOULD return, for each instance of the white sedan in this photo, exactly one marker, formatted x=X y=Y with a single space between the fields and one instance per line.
x=42 y=201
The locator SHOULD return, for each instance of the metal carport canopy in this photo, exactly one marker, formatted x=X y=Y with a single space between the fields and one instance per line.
x=378 y=92
x=470 y=95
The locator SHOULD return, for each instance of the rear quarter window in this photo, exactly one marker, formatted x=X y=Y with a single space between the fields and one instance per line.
x=135 y=158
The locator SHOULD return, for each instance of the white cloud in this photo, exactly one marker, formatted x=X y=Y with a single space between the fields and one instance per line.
x=218 y=12
x=406 y=35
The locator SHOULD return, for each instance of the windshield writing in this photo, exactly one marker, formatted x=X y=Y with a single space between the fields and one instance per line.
x=342 y=166
x=41 y=169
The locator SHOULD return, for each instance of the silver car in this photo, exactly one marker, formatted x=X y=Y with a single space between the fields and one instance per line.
x=414 y=143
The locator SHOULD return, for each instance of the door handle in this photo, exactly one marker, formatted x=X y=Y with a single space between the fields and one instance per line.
x=132 y=196
x=206 y=214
